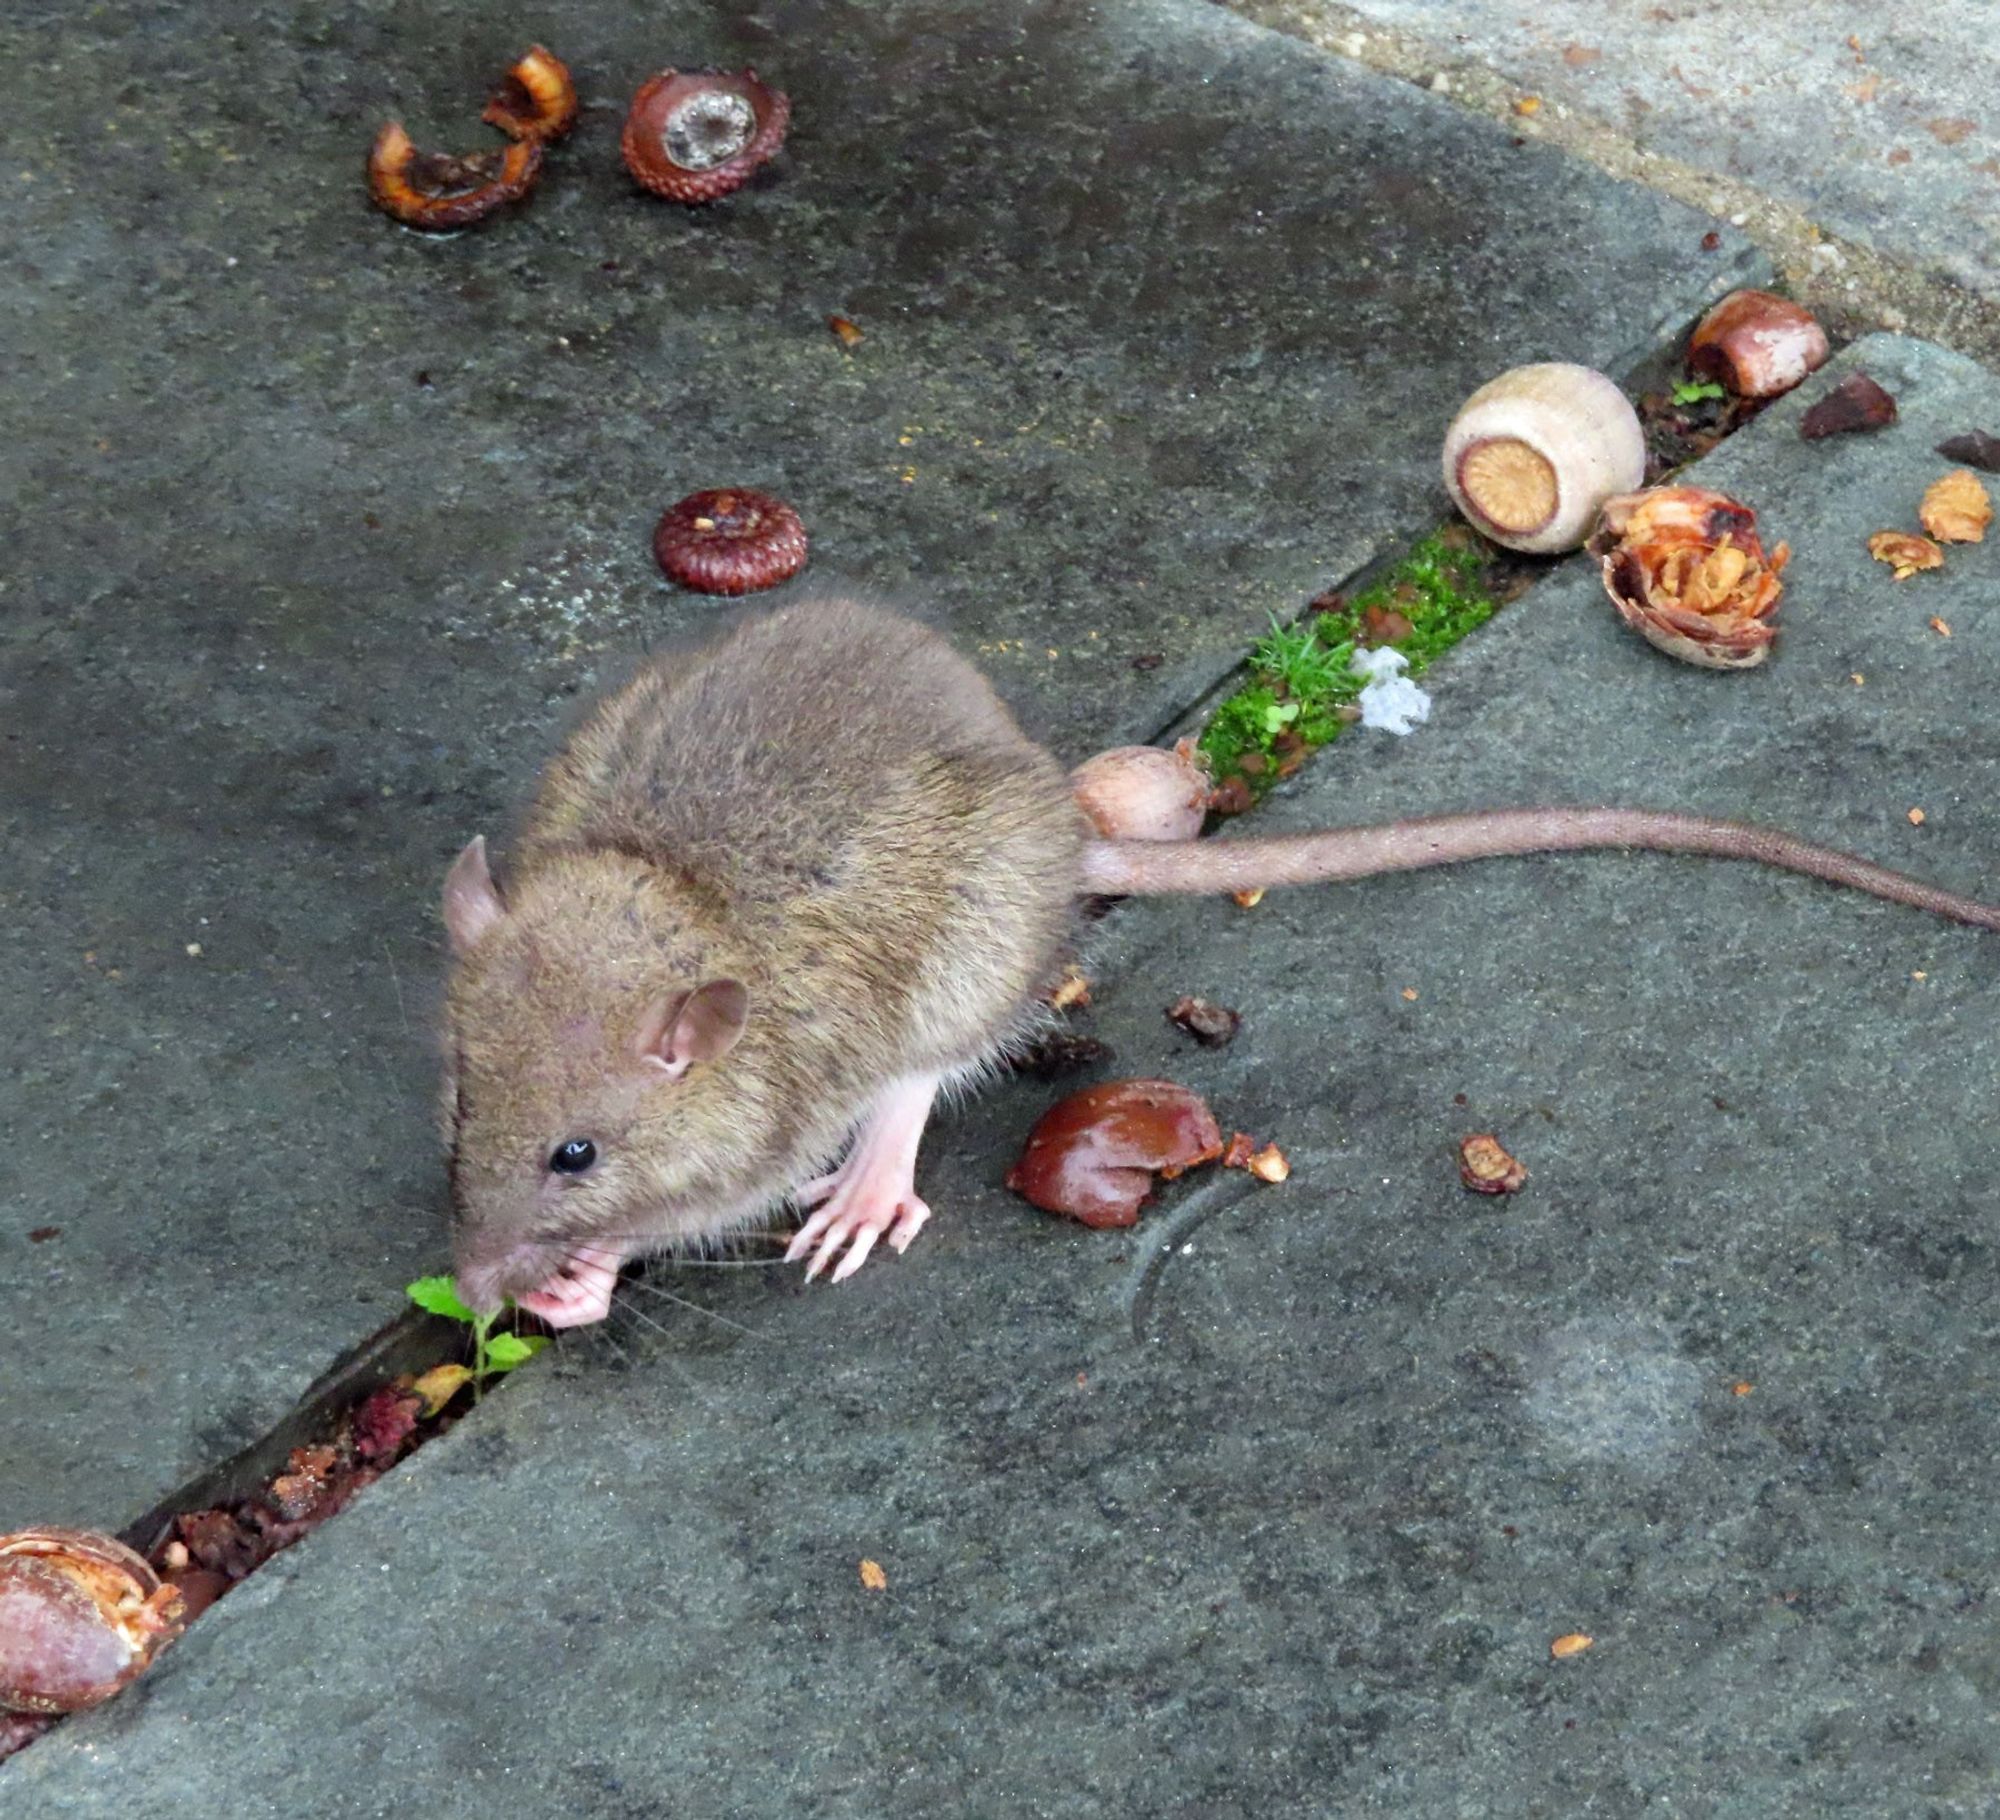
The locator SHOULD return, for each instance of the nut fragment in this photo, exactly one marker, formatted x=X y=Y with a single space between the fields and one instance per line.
x=1072 y=991
x=1486 y=1168
x=1956 y=509
x=1092 y=1156
x=437 y=193
x=1976 y=448
x=1757 y=344
x=1210 y=1025
x=535 y=99
x=1686 y=570
x=1904 y=553
x=81 y=1615
x=1857 y=403
x=1270 y=1164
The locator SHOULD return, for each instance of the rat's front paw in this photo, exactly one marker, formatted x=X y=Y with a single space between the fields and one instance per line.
x=579 y=1292
x=856 y=1213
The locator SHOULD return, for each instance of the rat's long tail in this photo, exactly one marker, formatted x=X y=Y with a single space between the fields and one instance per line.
x=1152 y=867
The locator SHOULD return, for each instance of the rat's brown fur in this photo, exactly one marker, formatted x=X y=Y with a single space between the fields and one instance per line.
x=828 y=805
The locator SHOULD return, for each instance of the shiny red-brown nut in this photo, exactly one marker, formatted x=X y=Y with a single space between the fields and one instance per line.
x=80 y=1616
x=1687 y=571
x=1144 y=792
x=535 y=99
x=694 y=135
x=730 y=540
x=1093 y=1156
x=1486 y=1168
x=438 y=193
x=1757 y=344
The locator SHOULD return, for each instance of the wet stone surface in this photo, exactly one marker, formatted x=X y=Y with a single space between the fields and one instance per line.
x=315 y=527
x=1275 y=1503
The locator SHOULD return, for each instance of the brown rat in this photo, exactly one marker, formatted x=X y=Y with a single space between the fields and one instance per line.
x=784 y=889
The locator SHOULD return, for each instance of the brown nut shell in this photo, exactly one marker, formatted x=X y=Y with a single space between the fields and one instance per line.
x=536 y=99
x=1856 y=403
x=694 y=135
x=1687 y=571
x=1093 y=1156
x=1144 y=792
x=81 y=1615
x=438 y=193
x=1757 y=344
x=730 y=540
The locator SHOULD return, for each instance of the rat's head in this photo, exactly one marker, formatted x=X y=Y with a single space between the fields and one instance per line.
x=589 y=1093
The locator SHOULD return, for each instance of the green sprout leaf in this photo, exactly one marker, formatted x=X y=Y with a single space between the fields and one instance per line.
x=506 y=1350
x=439 y=1295
x=1697 y=391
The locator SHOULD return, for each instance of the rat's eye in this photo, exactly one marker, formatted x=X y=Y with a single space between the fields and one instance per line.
x=573 y=1156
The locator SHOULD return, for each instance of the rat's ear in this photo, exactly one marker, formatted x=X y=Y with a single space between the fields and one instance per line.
x=471 y=901
x=688 y=1027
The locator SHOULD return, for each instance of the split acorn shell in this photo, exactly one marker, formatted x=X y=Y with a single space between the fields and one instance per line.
x=80 y=1616
x=1533 y=455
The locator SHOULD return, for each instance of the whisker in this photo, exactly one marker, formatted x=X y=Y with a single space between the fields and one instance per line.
x=602 y=1334
x=681 y=1301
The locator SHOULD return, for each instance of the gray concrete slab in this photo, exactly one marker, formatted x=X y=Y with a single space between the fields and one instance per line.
x=1275 y=1504
x=313 y=526
x=1879 y=126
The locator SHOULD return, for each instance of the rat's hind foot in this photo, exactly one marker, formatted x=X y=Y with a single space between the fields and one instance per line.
x=873 y=1193
x=579 y=1292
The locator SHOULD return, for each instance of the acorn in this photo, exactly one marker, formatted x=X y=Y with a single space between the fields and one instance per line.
x=1532 y=456
x=1757 y=344
x=1144 y=792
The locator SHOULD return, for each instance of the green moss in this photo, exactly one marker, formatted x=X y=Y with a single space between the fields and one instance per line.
x=1300 y=680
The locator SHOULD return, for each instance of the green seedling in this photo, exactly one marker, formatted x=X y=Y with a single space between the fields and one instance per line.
x=1299 y=674
x=492 y=1353
x=1697 y=391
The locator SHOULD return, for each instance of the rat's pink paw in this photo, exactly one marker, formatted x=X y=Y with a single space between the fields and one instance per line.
x=856 y=1219
x=578 y=1293
x=873 y=1193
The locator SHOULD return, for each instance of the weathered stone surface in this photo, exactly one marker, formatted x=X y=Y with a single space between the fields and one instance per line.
x=315 y=525
x=1883 y=136
x=1275 y=1504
